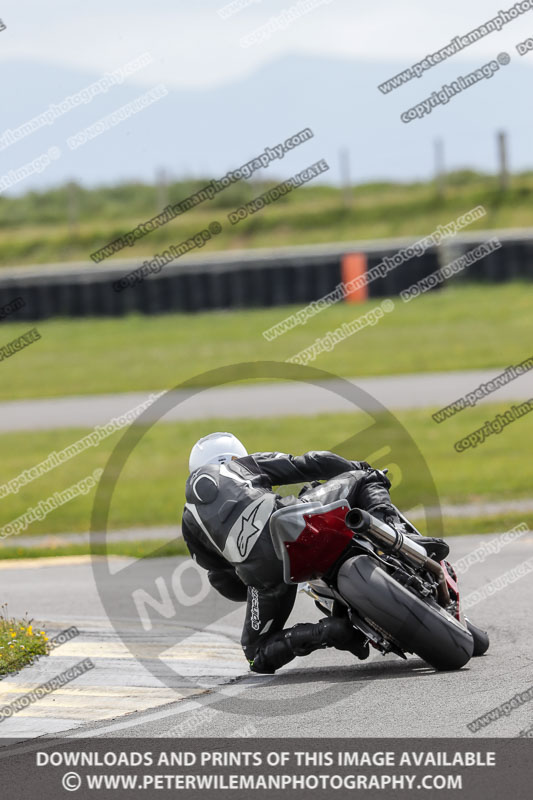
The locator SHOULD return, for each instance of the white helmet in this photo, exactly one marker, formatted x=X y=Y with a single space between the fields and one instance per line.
x=216 y=448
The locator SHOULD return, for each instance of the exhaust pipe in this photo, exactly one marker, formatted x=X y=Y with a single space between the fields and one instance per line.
x=393 y=541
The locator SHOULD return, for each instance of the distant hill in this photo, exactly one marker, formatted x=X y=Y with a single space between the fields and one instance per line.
x=213 y=130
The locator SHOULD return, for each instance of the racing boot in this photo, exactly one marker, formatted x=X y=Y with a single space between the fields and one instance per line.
x=305 y=638
x=375 y=498
x=437 y=549
x=273 y=654
x=335 y=632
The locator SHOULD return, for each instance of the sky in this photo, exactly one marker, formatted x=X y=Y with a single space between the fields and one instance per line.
x=194 y=47
x=260 y=92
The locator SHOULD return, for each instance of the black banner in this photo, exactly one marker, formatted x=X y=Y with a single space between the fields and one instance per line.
x=477 y=769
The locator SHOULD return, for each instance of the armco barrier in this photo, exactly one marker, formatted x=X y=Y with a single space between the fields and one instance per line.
x=244 y=279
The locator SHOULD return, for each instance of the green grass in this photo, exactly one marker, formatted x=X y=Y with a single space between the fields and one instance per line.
x=34 y=227
x=461 y=327
x=149 y=491
x=136 y=549
x=498 y=523
x=19 y=643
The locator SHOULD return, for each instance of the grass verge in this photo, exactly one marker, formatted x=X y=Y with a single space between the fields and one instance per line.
x=460 y=327
x=20 y=645
x=35 y=227
x=152 y=548
x=150 y=489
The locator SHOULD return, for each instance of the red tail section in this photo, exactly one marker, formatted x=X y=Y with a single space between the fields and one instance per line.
x=319 y=545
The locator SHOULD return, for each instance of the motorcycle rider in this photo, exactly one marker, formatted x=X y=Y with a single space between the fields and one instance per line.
x=229 y=501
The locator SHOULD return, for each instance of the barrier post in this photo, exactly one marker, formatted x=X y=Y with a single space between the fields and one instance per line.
x=354 y=265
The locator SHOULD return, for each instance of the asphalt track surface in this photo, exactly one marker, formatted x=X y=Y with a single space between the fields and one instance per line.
x=267 y=400
x=328 y=693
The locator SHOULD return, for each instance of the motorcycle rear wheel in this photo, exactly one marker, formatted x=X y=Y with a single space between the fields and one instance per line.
x=414 y=625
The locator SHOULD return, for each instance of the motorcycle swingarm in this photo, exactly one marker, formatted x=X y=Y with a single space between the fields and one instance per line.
x=375 y=637
x=378 y=640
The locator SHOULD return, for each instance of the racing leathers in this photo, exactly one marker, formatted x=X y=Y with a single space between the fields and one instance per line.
x=226 y=528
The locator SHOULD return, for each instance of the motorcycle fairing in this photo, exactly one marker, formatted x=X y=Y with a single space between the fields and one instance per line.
x=309 y=538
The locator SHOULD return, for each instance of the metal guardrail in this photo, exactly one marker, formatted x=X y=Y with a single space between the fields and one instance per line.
x=244 y=279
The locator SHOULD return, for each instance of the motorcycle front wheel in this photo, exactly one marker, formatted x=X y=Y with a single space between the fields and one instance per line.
x=481 y=639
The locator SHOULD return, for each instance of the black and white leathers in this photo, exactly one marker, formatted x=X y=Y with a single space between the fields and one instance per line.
x=228 y=507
